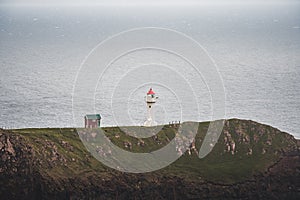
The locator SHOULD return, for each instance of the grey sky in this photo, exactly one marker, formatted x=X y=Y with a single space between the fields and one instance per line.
x=139 y=2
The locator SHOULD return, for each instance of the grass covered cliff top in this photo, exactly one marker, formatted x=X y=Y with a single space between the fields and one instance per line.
x=245 y=149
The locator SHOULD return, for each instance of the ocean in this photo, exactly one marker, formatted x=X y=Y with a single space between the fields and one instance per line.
x=256 y=50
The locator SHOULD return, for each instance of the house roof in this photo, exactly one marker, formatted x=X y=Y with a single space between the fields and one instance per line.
x=93 y=116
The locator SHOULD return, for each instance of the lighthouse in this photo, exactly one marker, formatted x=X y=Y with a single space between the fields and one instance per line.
x=150 y=101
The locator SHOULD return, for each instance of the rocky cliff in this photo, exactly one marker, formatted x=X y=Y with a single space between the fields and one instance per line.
x=249 y=161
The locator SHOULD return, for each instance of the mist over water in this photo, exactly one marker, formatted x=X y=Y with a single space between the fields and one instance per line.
x=256 y=49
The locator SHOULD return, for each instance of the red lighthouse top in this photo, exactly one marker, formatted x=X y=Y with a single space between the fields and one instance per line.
x=150 y=91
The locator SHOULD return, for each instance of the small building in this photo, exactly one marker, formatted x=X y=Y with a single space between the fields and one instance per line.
x=150 y=101
x=92 y=121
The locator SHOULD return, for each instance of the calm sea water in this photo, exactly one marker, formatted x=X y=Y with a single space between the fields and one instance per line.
x=256 y=49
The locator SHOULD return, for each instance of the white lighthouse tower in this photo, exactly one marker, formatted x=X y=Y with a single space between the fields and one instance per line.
x=150 y=100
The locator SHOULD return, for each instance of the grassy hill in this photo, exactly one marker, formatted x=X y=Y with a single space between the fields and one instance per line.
x=53 y=162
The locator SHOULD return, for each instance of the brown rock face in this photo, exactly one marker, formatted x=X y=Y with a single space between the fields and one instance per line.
x=16 y=166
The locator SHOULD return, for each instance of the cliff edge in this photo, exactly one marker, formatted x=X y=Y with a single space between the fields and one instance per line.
x=249 y=161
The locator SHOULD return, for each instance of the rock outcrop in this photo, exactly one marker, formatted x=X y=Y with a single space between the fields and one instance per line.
x=249 y=161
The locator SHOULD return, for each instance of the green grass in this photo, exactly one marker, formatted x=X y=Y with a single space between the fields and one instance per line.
x=218 y=166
